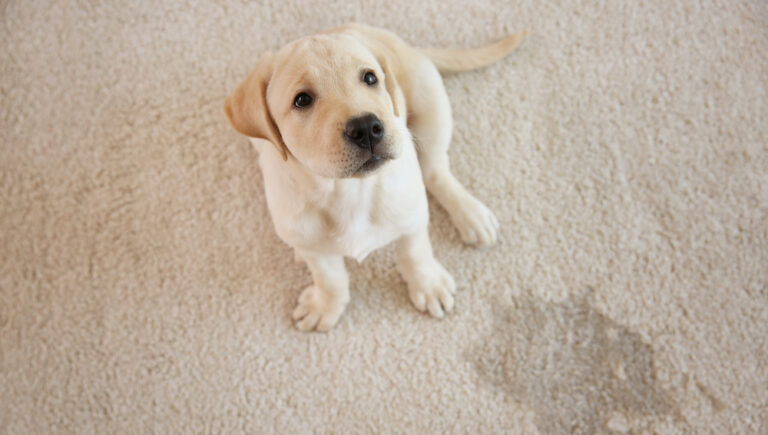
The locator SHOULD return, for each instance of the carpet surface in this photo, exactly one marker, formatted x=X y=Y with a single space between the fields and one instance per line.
x=623 y=147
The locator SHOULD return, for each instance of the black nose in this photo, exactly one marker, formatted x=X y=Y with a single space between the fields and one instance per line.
x=364 y=131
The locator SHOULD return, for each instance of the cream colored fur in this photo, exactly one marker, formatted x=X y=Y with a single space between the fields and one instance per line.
x=622 y=147
x=320 y=202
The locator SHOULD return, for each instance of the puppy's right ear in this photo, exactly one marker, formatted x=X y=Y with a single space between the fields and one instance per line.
x=247 y=107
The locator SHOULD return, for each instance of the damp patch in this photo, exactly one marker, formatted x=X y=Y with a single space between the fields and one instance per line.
x=578 y=370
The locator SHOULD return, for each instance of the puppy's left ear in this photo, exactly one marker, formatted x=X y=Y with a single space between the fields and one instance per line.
x=247 y=107
x=390 y=82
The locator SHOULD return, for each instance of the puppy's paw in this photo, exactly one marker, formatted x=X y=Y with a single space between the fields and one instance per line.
x=317 y=309
x=431 y=289
x=297 y=257
x=476 y=223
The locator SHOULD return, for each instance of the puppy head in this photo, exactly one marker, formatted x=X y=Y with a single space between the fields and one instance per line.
x=326 y=100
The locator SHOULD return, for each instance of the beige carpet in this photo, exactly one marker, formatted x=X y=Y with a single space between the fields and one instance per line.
x=624 y=148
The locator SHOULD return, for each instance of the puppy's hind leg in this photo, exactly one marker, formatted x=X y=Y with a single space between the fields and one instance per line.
x=431 y=125
x=322 y=303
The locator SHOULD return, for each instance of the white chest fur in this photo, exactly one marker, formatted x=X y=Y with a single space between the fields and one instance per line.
x=351 y=216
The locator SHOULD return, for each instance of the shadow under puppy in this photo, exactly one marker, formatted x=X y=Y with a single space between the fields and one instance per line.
x=335 y=116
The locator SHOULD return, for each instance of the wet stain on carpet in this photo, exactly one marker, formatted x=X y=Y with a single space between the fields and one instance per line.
x=579 y=371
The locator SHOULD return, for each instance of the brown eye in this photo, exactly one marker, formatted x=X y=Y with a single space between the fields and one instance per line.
x=370 y=79
x=302 y=100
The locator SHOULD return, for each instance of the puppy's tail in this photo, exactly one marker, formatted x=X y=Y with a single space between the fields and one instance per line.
x=452 y=61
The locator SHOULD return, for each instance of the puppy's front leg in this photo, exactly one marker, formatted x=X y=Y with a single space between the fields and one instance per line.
x=321 y=304
x=430 y=286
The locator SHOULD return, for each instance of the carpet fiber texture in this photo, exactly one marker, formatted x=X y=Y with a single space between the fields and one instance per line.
x=623 y=147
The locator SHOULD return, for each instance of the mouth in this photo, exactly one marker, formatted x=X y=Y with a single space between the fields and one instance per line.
x=370 y=165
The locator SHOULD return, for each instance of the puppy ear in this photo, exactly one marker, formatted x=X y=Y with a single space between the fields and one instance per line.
x=247 y=107
x=390 y=82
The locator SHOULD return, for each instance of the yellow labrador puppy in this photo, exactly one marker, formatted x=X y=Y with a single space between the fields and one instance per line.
x=351 y=125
